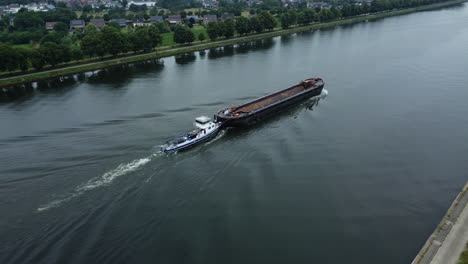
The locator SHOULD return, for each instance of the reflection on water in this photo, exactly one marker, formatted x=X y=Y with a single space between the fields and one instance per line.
x=185 y=58
x=119 y=76
x=116 y=77
x=291 y=112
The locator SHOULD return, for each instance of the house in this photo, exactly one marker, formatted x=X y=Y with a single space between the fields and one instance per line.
x=318 y=5
x=140 y=3
x=48 y=7
x=226 y=16
x=98 y=22
x=77 y=24
x=120 y=21
x=32 y=7
x=210 y=18
x=138 y=22
x=254 y=2
x=176 y=19
x=14 y=8
x=50 y=25
x=195 y=18
x=209 y=4
x=156 y=19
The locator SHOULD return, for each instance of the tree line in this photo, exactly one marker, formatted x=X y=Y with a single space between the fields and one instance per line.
x=58 y=46
x=243 y=25
x=108 y=41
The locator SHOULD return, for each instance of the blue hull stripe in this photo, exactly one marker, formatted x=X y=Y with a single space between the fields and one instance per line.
x=192 y=143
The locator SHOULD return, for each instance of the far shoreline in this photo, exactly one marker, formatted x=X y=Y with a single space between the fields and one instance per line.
x=171 y=51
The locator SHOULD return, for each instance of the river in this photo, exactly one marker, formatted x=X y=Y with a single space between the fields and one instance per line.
x=363 y=175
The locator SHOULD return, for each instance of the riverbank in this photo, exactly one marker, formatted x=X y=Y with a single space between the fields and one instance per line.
x=448 y=240
x=166 y=51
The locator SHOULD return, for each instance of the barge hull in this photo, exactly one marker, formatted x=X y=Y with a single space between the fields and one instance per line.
x=270 y=110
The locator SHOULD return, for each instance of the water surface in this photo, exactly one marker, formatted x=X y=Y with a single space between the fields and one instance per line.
x=364 y=176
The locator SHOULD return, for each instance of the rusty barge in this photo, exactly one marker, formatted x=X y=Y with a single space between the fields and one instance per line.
x=263 y=107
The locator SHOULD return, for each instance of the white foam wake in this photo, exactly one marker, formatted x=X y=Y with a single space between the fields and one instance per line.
x=111 y=175
x=105 y=179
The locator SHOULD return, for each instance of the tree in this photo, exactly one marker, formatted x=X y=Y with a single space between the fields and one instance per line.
x=256 y=24
x=309 y=16
x=90 y=44
x=76 y=53
x=229 y=28
x=285 y=21
x=51 y=52
x=61 y=28
x=51 y=37
x=28 y=19
x=90 y=29
x=114 y=25
x=201 y=36
x=182 y=34
x=162 y=27
x=153 y=11
x=142 y=40
x=112 y=40
x=242 y=25
x=22 y=58
x=335 y=13
x=155 y=37
x=37 y=59
x=268 y=21
x=212 y=30
x=8 y=55
x=87 y=9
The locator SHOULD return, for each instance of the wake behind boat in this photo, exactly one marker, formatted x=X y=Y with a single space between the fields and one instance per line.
x=204 y=129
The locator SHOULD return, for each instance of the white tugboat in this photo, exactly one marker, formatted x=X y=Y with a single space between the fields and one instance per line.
x=205 y=128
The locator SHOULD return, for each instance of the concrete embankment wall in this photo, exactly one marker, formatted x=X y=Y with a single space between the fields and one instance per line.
x=438 y=240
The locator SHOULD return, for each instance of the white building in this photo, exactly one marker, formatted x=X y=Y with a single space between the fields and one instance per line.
x=140 y=3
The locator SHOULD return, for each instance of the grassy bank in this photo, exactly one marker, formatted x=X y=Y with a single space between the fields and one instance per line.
x=170 y=51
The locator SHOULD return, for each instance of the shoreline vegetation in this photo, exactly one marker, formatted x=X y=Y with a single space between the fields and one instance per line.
x=168 y=51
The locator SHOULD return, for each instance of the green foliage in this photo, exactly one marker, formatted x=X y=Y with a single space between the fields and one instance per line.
x=61 y=28
x=201 y=36
x=183 y=34
x=243 y=25
x=137 y=8
x=153 y=11
x=58 y=15
x=213 y=30
x=23 y=37
x=162 y=27
x=28 y=20
x=256 y=24
x=54 y=54
x=114 y=25
x=76 y=53
x=288 y=19
x=267 y=20
x=229 y=28
x=37 y=59
x=112 y=40
x=90 y=43
x=8 y=55
x=52 y=37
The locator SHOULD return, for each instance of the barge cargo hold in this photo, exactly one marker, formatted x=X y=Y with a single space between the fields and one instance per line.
x=259 y=109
